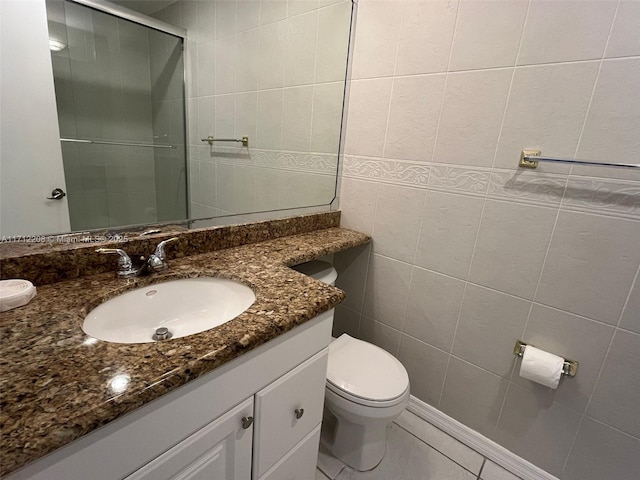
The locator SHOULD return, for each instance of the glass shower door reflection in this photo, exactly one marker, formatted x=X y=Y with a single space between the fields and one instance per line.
x=120 y=98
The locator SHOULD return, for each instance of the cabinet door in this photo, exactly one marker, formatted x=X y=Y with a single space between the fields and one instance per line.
x=220 y=450
x=278 y=428
x=299 y=463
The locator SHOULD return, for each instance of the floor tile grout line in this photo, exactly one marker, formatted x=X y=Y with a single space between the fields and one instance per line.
x=440 y=452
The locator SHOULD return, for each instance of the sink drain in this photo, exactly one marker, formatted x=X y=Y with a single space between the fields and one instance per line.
x=162 y=333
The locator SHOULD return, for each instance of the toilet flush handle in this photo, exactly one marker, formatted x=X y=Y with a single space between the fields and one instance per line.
x=298 y=413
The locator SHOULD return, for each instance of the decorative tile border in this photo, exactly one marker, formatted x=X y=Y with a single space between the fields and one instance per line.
x=361 y=167
x=282 y=160
x=599 y=195
x=528 y=187
x=405 y=173
x=459 y=179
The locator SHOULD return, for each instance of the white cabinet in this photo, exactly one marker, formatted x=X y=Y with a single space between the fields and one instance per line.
x=195 y=432
x=299 y=463
x=287 y=411
x=220 y=450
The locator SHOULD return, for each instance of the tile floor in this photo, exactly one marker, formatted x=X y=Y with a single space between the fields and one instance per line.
x=417 y=450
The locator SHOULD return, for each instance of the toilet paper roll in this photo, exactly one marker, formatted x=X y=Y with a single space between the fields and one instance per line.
x=541 y=367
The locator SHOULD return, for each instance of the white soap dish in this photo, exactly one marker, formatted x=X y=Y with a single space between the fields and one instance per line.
x=15 y=293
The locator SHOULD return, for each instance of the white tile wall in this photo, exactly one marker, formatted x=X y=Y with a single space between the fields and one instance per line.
x=549 y=256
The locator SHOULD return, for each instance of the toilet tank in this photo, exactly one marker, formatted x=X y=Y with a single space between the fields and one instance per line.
x=319 y=270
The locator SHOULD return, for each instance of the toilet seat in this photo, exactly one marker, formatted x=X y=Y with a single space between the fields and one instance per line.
x=365 y=374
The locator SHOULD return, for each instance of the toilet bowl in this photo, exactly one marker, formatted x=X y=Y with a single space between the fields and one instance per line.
x=367 y=388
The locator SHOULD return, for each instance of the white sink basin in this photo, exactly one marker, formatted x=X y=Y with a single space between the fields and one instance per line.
x=184 y=307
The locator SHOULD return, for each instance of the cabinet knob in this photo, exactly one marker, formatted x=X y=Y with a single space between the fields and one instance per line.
x=299 y=412
x=247 y=422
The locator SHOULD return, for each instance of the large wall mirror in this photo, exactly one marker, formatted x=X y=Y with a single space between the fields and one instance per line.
x=177 y=110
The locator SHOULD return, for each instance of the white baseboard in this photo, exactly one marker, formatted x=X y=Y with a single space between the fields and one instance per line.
x=478 y=442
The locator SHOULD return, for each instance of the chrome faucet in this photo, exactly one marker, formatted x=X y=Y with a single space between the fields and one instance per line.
x=156 y=262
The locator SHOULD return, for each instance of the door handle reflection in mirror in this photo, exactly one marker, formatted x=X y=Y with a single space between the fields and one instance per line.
x=57 y=194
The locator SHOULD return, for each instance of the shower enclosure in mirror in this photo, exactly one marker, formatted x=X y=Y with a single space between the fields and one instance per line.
x=119 y=89
x=138 y=94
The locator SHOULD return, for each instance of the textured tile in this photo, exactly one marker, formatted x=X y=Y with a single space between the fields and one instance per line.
x=533 y=187
x=425 y=37
x=413 y=117
x=625 y=35
x=360 y=167
x=225 y=18
x=269 y=119
x=352 y=266
x=247 y=48
x=272 y=39
x=589 y=255
x=376 y=40
x=459 y=179
x=599 y=195
x=433 y=307
x=333 y=38
x=491 y=471
x=565 y=31
x=573 y=337
x=601 y=452
x=379 y=334
x=272 y=11
x=448 y=232
x=614 y=400
x=610 y=133
x=409 y=458
x=511 y=247
x=406 y=173
x=206 y=69
x=358 y=200
x=226 y=59
x=489 y=318
x=631 y=315
x=301 y=49
x=397 y=221
x=368 y=108
x=426 y=367
x=247 y=15
x=536 y=429
x=493 y=45
x=555 y=98
x=387 y=290
x=472 y=111
x=327 y=117
x=440 y=441
x=473 y=396
x=296 y=123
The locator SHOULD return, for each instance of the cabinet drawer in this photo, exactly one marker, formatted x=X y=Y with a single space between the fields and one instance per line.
x=221 y=449
x=300 y=463
x=277 y=429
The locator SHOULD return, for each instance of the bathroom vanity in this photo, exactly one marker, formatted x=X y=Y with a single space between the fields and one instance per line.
x=242 y=400
x=258 y=417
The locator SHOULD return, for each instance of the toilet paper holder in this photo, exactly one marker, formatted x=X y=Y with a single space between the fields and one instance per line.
x=569 y=368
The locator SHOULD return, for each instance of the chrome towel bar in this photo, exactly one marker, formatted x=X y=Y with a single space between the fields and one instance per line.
x=569 y=368
x=530 y=159
x=106 y=142
x=244 y=140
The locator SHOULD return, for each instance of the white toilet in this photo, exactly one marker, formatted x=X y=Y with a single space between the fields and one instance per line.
x=367 y=388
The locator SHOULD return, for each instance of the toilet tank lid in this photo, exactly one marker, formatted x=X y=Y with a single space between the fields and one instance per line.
x=365 y=370
x=319 y=270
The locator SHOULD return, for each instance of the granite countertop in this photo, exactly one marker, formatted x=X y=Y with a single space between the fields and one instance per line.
x=55 y=382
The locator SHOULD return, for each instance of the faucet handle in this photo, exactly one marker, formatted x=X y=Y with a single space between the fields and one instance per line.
x=158 y=260
x=125 y=265
x=160 y=253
